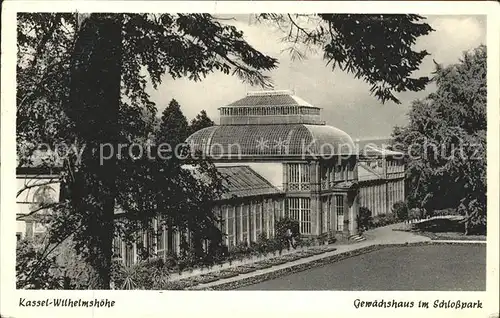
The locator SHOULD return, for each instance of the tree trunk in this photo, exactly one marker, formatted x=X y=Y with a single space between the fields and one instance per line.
x=93 y=108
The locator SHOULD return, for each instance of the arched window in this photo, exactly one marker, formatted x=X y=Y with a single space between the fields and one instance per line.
x=44 y=194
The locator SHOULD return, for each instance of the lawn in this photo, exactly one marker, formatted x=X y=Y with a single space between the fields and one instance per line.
x=433 y=267
x=443 y=228
x=450 y=228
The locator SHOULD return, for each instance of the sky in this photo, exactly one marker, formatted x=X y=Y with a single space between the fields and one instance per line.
x=345 y=101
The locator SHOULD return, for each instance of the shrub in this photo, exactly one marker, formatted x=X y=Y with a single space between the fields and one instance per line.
x=364 y=219
x=414 y=213
x=262 y=244
x=149 y=274
x=384 y=219
x=400 y=210
x=305 y=242
x=33 y=271
x=450 y=211
x=239 y=251
x=281 y=228
x=171 y=260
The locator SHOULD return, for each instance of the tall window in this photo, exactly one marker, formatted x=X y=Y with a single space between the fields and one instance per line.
x=278 y=208
x=258 y=219
x=160 y=240
x=339 y=172
x=350 y=171
x=252 y=230
x=294 y=208
x=331 y=173
x=326 y=215
x=300 y=209
x=272 y=215
x=244 y=223
x=230 y=226
x=129 y=254
x=324 y=177
x=223 y=220
x=237 y=220
x=117 y=247
x=339 y=209
x=139 y=244
x=298 y=177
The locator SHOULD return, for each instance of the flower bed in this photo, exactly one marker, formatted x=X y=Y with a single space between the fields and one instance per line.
x=208 y=278
x=262 y=265
x=304 y=254
x=226 y=273
x=243 y=269
x=326 y=248
x=291 y=257
x=180 y=284
x=310 y=253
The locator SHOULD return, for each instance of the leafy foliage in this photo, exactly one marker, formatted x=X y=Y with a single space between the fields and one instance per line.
x=364 y=219
x=151 y=274
x=200 y=121
x=400 y=209
x=33 y=269
x=281 y=227
x=173 y=126
x=446 y=141
x=375 y=48
x=384 y=219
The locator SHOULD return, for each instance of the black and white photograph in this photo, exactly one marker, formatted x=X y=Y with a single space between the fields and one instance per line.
x=293 y=151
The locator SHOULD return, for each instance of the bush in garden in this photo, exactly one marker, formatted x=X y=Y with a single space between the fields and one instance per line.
x=171 y=260
x=239 y=251
x=275 y=245
x=262 y=244
x=150 y=274
x=400 y=209
x=384 y=219
x=305 y=242
x=34 y=270
x=281 y=228
x=364 y=219
x=414 y=214
x=74 y=271
x=323 y=238
x=331 y=237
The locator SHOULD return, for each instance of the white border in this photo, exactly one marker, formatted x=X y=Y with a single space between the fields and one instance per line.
x=304 y=304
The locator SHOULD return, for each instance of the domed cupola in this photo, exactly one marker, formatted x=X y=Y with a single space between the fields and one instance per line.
x=269 y=125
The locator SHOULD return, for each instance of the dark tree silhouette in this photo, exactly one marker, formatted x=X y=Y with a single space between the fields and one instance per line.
x=446 y=141
x=199 y=122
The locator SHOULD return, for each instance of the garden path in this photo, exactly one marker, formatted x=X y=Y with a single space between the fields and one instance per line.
x=379 y=236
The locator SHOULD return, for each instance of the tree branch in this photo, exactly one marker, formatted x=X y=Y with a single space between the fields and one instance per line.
x=40 y=208
x=26 y=187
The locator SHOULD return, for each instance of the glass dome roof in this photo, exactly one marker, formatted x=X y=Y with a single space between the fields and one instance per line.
x=267 y=141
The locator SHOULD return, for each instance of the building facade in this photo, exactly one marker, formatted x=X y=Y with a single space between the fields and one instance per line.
x=381 y=177
x=283 y=138
x=248 y=208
